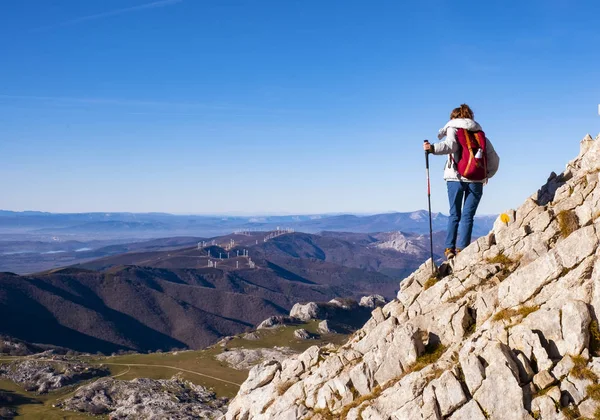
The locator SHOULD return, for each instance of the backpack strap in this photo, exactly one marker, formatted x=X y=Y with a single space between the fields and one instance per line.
x=460 y=133
x=481 y=142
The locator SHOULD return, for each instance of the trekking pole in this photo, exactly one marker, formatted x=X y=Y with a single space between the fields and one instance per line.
x=429 y=203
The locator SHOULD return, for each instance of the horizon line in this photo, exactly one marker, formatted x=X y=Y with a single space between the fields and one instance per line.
x=242 y=214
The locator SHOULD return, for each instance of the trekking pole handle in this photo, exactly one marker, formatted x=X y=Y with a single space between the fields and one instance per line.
x=427 y=152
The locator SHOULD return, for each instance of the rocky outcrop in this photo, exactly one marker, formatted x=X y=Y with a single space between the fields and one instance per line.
x=277 y=321
x=302 y=334
x=43 y=375
x=338 y=316
x=326 y=327
x=372 y=301
x=510 y=333
x=307 y=311
x=335 y=309
x=146 y=399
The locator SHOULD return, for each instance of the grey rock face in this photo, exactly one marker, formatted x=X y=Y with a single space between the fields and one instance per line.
x=470 y=411
x=448 y=393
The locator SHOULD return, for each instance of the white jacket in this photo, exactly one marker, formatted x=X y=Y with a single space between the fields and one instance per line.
x=451 y=147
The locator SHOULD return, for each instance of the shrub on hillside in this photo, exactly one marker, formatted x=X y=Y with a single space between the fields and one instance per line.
x=567 y=222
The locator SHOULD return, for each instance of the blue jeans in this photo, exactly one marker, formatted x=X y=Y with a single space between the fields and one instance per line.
x=471 y=192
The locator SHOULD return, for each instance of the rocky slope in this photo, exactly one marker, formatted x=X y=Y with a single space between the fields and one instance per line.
x=146 y=399
x=42 y=376
x=510 y=332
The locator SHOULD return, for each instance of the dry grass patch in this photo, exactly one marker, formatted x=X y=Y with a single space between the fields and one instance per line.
x=430 y=282
x=360 y=400
x=267 y=406
x=580 y=369
x=432 y=353
x=507 y=314
x=567 y=222
x=508 y=265
x=454 y=299
x=526 y=310
x=594 y=338
x=571 y=412
x=283 y=387
x=323 y=414
x=500 y=259
x=593 y=391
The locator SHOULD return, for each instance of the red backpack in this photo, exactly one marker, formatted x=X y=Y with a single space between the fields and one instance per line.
x=472 y=163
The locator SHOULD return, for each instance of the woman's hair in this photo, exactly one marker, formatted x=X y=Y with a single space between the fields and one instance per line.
x=463 y=111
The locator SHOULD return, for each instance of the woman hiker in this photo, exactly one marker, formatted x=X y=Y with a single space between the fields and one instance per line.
x=472 y=160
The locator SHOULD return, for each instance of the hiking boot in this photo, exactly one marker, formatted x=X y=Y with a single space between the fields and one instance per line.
x=449 y=253
x=458 y=251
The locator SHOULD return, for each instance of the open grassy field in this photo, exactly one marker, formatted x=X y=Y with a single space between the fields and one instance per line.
x=199 y=367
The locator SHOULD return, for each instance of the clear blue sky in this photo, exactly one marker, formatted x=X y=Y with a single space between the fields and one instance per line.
x=271 y=106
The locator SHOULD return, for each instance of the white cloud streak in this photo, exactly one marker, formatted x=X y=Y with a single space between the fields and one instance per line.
x=111 y=13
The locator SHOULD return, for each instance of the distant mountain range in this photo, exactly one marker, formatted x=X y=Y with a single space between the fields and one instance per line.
x=148 y=298
x=146 y=225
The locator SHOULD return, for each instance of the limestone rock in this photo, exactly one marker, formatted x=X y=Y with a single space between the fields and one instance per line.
x=470 y=411
x=449 y=393
x=501 y=373
x=302 y=334
x=260 y=375
x=577 y=246
x=528 y=280
x=343 y=303
x=324 y=328
x=588 y=408
x=575 y=324
x=372 y=301
x=563 y=367
x=526 y=372
x=473 y=370
x=574 y=390
x=544 y=406
x=276 y=321
x=305 y=312
x=543 y=379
